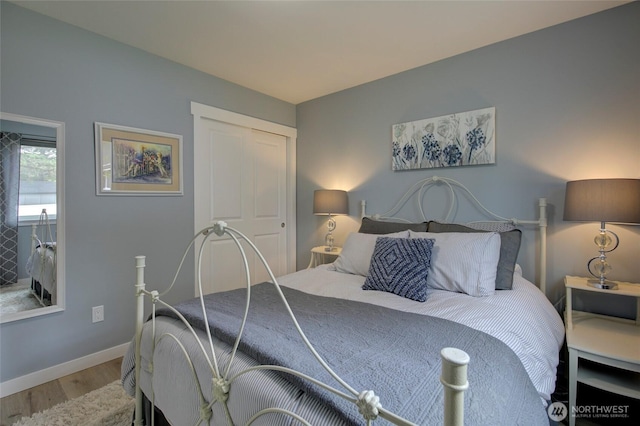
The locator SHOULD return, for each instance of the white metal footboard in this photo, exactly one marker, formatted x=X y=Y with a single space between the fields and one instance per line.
x=43 y=242
x=454 y=361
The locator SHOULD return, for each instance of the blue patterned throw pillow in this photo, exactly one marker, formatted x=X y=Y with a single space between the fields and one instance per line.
x=400 y=266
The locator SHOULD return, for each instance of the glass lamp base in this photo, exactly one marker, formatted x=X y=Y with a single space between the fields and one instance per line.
x=328 y=242
x=603 y=285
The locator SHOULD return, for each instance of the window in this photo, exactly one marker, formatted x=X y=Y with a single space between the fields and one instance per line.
x=37 y=179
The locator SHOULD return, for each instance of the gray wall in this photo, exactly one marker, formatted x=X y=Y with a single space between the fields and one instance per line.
x=567 y=104
x=59 y=72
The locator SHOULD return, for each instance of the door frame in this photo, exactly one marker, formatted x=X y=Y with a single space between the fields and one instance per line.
x=200 y=111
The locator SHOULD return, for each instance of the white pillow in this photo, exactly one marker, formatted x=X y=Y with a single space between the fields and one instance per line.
x=355 y=257
x=463 y=262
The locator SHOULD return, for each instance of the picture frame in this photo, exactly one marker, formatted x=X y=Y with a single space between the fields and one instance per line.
x=460 y=139
x=131 y=161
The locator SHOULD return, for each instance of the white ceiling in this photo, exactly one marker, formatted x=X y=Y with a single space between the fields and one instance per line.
x=300 y=50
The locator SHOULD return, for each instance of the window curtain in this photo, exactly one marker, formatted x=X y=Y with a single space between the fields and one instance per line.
x=9 y=199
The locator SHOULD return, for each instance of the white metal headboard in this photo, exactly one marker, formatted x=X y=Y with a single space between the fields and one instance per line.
x=422 y=185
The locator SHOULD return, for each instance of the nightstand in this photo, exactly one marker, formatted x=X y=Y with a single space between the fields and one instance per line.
x=320 y=256
x=604 y=351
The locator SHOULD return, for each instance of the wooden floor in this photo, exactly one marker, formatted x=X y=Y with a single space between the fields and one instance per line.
x=30 y=401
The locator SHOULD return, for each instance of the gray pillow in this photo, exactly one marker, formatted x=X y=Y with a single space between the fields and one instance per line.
x=509 y=247
x=370 y=226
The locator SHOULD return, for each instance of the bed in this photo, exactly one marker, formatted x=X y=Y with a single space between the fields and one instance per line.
x=414 y=323
x=41 y=264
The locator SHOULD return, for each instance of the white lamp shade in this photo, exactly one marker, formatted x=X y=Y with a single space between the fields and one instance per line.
x=330 y=201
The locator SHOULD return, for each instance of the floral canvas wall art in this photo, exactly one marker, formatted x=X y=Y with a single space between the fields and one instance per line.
x=462 y=139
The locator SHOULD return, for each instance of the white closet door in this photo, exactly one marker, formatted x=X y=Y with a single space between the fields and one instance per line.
x=240 y=177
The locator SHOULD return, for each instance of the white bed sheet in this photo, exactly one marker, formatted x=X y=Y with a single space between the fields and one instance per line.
x=522 y=318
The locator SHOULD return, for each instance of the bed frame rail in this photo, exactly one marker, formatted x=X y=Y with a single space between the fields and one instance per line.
x=454 y=361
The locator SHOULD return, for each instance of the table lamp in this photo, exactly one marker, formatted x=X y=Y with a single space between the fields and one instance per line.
x=603 y=200
x=330 y=202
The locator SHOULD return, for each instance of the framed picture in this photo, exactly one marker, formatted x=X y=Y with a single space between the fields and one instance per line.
x=133 y=161
x=462 y=139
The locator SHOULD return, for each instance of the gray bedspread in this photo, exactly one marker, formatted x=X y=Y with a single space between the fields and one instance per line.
x=395 y=354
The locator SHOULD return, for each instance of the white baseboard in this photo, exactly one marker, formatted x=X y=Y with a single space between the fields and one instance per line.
x=52 y=373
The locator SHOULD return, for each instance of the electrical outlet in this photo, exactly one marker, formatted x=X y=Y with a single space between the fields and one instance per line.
x=97 y=313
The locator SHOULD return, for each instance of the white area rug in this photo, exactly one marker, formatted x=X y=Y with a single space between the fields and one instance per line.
x=107 y=406
x=17 y=298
